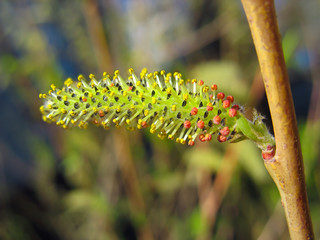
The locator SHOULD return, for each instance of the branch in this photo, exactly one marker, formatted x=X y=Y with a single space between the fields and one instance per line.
x=286 y=168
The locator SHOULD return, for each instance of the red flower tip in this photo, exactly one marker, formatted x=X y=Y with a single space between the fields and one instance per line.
x=191 y=143
x=101 y=113
x=84 y=99
x=209 y=108
x=194 y=111
x=130 y=88
x=214 y=87
x=236 y=106
x=222 y=138
x=226 y=104
x=201 y=82
x=202 y=137
x=230 y=98
x=232 y=112
x=217 y=119
x=144 y=124
x=187 y=124
x=225 y=131
x=208 y=137
x=200 y=124
x=220 y=95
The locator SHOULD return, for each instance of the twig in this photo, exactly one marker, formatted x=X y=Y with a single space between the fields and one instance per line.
x=131 y=182
x=214 y=195
x=122 y=151
x=97 y=35
x=286 y=168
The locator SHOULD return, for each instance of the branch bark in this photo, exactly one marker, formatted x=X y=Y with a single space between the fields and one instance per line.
x=286 y=168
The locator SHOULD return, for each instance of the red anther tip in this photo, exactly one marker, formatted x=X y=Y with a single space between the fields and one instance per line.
x=222 y=138
x=230 y=98
x=236 y=106
x=202 y=137
x=187 y=124
x=194 y=111
x=101 y=113
x=84 y=99
x=226 y=104
x=220 y=95
x=232 y=112
x=208 y=137
x=144 y=124
x=214 y=87
x=201 y=82
x=191 y=143
x=217 y=120
x=225 y=131
x=209 y=108
x=130 y=88
x=200 y=124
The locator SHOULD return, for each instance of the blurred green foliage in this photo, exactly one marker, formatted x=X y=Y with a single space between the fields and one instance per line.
x=97 y=184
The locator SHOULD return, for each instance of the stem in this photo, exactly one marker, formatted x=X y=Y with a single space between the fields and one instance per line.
x=286 y=168
x=97 y=35
x=212 y=196
x=131 y=183
x=123 y=155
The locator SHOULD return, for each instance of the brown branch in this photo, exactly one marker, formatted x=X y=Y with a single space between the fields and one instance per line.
x=286 y=168
x=131 y=182
x=97 y=35
x=211 y=196
x=122 y=150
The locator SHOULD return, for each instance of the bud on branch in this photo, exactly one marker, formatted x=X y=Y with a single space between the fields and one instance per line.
x=170 y=106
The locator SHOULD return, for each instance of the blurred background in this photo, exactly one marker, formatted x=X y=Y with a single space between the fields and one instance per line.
x=97 y=184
